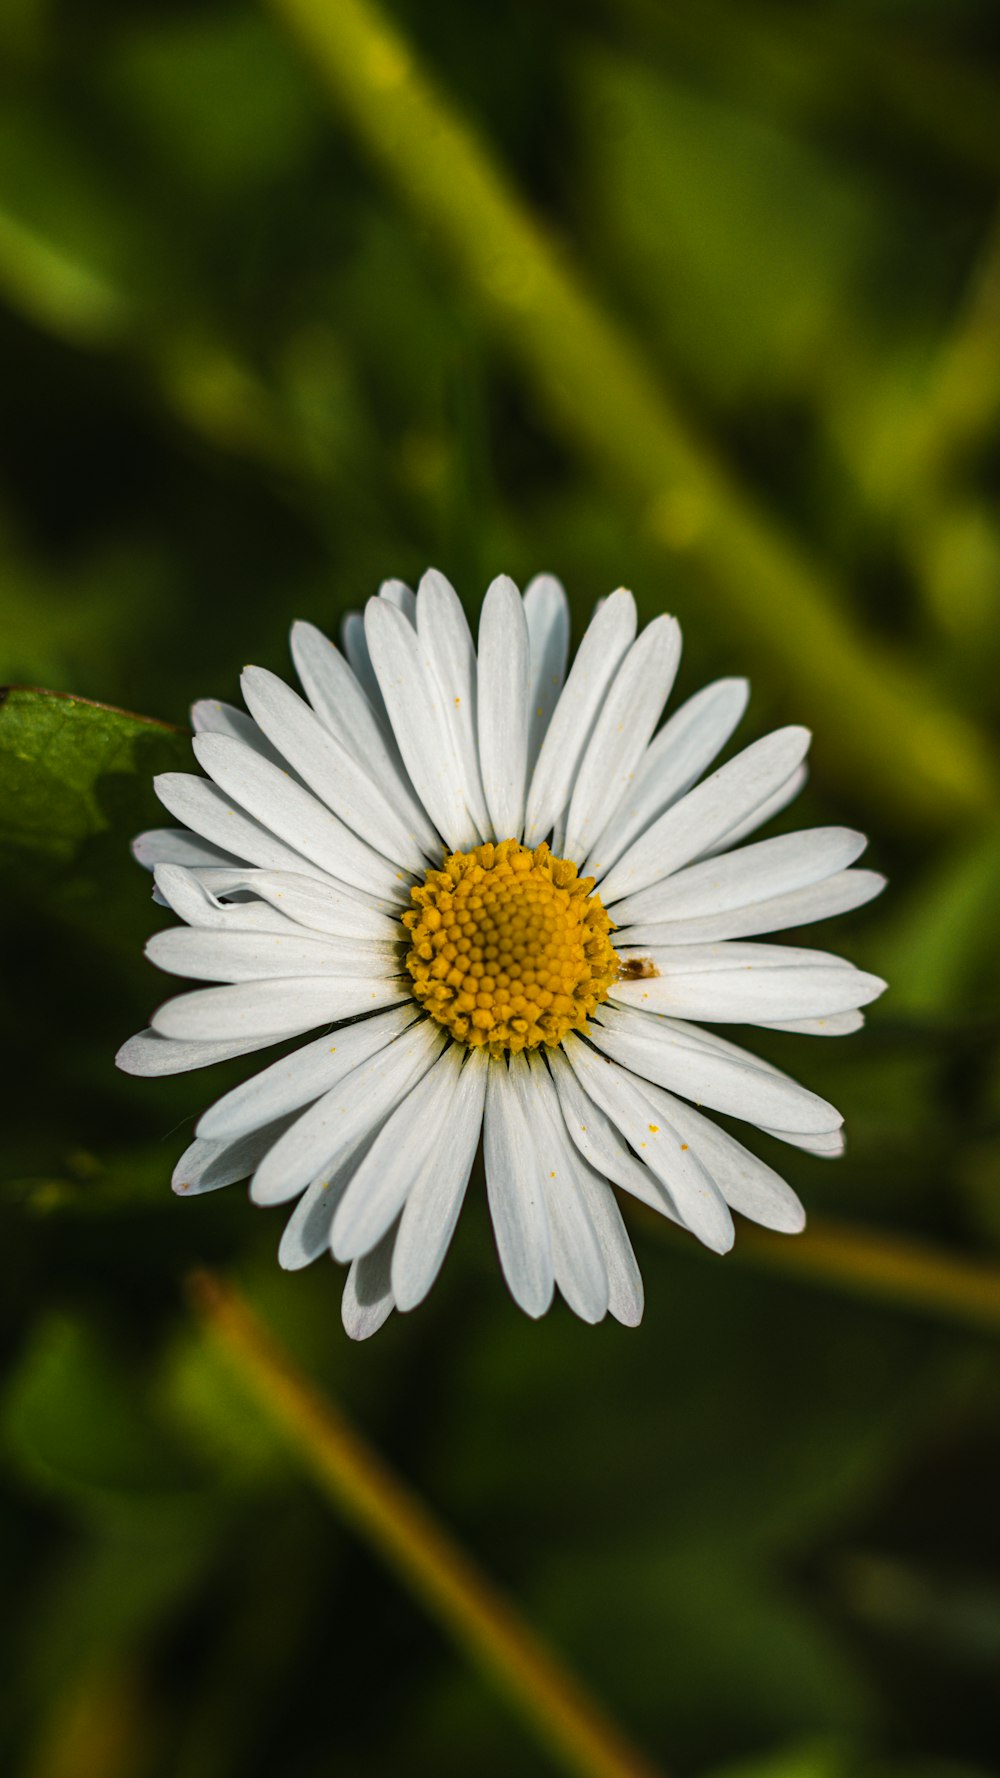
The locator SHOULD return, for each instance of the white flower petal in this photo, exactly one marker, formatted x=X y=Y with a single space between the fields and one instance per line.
x=307 y=1232
x=546 y=612
x=620 y=1095
x=691 y=826
x=504 y=689
x=674 y=761
x=346 y=712
x=721 y=958
x=187 y=894
x=577 y=1260
x=415 y=704
x=368 y=1301
x=444 y=630
x=319 y=905
x=628 y=716
x=210 y=717
x=324 y=764
x=839 y=1024
x=747 y=1184
x=297 y=1080
x=828 y=1144
x=352 y=635
x=602 y=1144
x=828 y=1139
x=175 y=845
x=757 y=873
x=152 y=1056
x=398 y=594
x=401 y=1149
x=820 y=901
x=772 y=805
x=701 y=1067
x=258 y=956
x=608 y=636
x=272 y=1009
x=743 y=983
x=284 y=808
x=517 y=1205
x=625 y=1292
x=207 y=1166
x=432 y=1207
x=216 y=818
x=336 y=1126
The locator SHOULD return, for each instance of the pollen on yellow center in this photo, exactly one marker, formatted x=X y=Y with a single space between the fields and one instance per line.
x=509 y=947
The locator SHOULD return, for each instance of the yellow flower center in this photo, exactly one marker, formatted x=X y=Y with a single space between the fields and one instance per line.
x=509 y=947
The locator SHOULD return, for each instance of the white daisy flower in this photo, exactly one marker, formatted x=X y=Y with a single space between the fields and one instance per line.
x=510 y=903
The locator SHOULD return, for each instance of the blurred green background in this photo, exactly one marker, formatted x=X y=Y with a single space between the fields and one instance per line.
x=266 y=338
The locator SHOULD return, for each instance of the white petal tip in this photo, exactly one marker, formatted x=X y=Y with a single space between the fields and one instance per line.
x=292 y=1260
x=502 y=583
x=129 y=1057
x=720 y=1243
x=407 y=1301
x=361 y=1320
x=780 y=1219
x=166 y=876
x=535 y=1308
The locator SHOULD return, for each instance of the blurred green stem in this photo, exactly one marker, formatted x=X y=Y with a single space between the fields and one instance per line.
x=865 y=1262
x=404 y=1534
x=914 y=455
x=100 y=1726
x=960 y=407
x=57 y=291
x=926 y=763
x=948 y=529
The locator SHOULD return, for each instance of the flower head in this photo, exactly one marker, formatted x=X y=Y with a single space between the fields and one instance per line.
x=502 y=893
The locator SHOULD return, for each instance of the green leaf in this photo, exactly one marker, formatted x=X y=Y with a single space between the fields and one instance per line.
x=77 y=1423
x=939 y=950
x=75 y=785
x=168 y=79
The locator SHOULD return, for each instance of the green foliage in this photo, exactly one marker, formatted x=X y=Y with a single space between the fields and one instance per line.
x=168 y=80
x=75 y=786
x=78 y=1429
x=264 y=343
x=689 y=184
